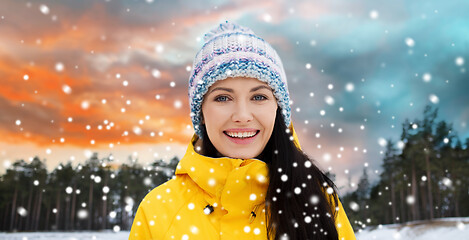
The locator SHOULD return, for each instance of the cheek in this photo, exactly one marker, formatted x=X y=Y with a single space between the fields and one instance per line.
x=211 y=116
x=267 y=116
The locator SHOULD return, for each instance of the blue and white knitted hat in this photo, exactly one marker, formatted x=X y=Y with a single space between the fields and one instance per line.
x=231 y=50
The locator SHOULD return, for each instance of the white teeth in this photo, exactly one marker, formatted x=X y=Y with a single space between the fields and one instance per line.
x=241 y=134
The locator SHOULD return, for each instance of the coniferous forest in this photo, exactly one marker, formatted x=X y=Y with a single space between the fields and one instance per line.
x=424 y=175
x=94 y=196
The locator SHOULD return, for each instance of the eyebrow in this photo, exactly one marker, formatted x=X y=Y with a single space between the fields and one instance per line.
x=231 y=90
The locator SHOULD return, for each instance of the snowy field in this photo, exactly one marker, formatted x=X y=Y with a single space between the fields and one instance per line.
x=65 y=235
x=447 y=228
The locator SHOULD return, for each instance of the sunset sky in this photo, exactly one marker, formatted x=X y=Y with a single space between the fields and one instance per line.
x=111 y=76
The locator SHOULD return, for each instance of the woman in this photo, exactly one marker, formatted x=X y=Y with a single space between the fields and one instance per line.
x=244 y=175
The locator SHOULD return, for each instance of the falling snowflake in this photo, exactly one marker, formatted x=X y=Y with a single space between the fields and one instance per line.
x=66 y=89
x=191 y=206
x=137 y=130
x=159 y=48
x=459 y=61
x=329 y=100
x=284 y=177
x=374 y=14
x=267 y=17
x=410 y=42
x=314 y=200
x=97 y=179
x=433 y=98
x=85 y=105
x=177 y=104
x=410 y=200
x=382 y=142
x=447 y=182
x=147 y=181
x=349 y=87
x=261 y=178
x=326 y=157
x=354 y=206
x=59 y=67
x=156 y=73
x=211 y=182
x=44 y=9
x=427 y=77
x=194 y=230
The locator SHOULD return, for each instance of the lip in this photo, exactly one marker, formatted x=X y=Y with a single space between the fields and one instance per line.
x=241 y=130
x=244 y=140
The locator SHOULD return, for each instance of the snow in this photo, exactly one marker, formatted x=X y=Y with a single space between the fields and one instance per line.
x=449 y=228
x=65 y=235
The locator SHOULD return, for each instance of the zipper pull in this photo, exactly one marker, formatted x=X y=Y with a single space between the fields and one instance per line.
x=253 y=214
x=252 y=217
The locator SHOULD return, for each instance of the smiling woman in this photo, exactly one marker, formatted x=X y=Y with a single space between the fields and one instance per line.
x=244 y=175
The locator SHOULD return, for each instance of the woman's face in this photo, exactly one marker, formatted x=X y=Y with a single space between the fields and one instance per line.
x=239 y=115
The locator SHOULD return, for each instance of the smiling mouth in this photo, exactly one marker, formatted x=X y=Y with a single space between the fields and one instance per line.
x=240 y=136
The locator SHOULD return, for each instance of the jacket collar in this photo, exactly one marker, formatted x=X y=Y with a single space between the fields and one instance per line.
x=211 y=174
x=217 y=175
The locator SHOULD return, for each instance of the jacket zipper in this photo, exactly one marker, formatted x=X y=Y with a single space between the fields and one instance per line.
x=253 y=214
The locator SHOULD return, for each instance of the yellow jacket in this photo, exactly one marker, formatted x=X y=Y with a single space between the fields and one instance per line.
x=178 y=208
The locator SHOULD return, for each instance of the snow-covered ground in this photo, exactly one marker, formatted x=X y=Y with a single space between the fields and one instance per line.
x=123 y=235
x=446 y=228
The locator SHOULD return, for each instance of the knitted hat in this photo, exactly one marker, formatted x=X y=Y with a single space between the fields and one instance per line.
x=231 y=50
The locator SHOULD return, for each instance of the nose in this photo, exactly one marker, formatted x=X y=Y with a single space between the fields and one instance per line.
x=242 y=113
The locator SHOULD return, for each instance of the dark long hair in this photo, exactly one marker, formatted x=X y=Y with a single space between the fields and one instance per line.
x=300 y=204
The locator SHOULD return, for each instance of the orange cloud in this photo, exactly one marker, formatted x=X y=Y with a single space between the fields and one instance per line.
x=95 y=44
